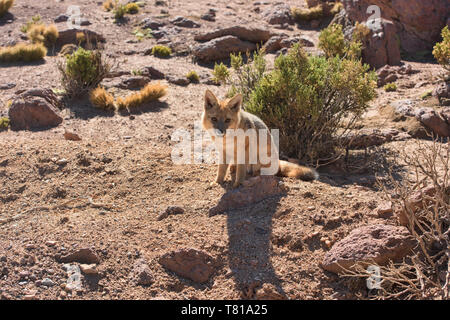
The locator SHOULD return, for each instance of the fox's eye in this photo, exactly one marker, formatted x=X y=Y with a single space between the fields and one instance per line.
x=227 y=120
x=214 y=119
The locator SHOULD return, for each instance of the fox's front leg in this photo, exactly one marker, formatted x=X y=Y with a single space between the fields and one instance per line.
x=240 y=175
x=221 y=172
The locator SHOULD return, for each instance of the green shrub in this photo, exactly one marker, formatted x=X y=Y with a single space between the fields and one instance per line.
x=389 y=87
x=441 y=50
x=36 y=20
x=132 y=8
x=220 y=73
x=193 y=77
x=313 y=101
x=5 y=5
x=246 y=75
x=143 y=33
x=426 y=94
x=333 y=42
x=119 y=11
x=23 y=52
x=4 y=123
x=83 y=70
x=161 y=51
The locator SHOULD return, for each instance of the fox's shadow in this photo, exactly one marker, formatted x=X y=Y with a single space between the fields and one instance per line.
x=249 y=246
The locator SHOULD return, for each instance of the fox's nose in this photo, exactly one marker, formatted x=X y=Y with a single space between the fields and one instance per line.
x=219 y=132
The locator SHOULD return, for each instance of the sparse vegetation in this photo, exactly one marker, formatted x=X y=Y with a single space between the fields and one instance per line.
x=151 y=92
x=441 y=51
x=5 y=5
x=390 y=87
x=119 y=11
x=312 y=13
x=193 y=77
x=307 y=98
x=221 y=74
x=36 y=20
x=39 y=33
x=82 y=71
x=426 y=94
x=161 y=51
x=100 y=98
x=4 y=123
x=141 y=34
x=23 y=52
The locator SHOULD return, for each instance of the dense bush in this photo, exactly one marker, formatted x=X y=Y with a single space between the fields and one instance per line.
x=5 y=5
x=221 y=74
x=308 y=98
x=333 y=42
x=23 y=52
x=441 y=50
x=83 y=70
x=4 y=123
x=161 y=51
x=193 y=77
x=389 y=87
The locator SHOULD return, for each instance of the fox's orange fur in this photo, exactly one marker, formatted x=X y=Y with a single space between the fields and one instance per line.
x=220 y=115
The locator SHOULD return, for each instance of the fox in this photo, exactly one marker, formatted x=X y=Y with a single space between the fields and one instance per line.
x=220 y=117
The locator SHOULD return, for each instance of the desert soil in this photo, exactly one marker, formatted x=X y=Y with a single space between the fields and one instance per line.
x=123 y=163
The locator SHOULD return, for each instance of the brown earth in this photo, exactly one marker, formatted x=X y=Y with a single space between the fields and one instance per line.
x=107 y=191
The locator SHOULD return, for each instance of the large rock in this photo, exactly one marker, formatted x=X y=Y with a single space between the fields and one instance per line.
x=442 y=92
x=141 y=274
x=221 y=48
x=189 y=263
x=83 y=255
x=70 y=36
x=435 y=123
x=369 y=244
x=246 y=33
x=278 y=14
x=418 y=23
x=278 y=42
x=35 y=109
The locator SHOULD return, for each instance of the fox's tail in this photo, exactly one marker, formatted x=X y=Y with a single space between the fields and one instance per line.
x=292 y=170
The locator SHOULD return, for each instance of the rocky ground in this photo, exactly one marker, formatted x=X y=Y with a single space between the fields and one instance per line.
x=111 y=217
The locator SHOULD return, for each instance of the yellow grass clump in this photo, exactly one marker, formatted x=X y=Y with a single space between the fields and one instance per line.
x=40 y=33
x=5 y=5
x=100 y=98
x=23 y=52
x=108 y=5
x=151 y=92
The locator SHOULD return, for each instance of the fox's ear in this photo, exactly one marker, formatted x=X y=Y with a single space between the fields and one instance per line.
x=210 y=100
x=235 y=103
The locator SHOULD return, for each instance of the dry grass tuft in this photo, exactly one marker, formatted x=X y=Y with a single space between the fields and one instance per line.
x=100 y=98
x=40 y=33
x=23 y=52
x=151 y=92
x=5 y=5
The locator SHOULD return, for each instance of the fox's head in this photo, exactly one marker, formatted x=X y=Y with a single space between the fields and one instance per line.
x=218 y=116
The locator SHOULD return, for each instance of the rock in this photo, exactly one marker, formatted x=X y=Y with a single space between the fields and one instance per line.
x=445 y=114
x=184 y=22
x=384 y=210
x=369 y=244
x=71 y=136
x=268 y=292
x=208 y=16
x=126 y=82
x=278 y=42
x=386 y=75
x=47 y=282
x=7 y=86
x=152 y=24
x=88 y=269
x=189 y=263
x=434 y=122
x=141 y=274
x=278 y=14
x=35 y=109
x=153 y=73
x=442 y=92
x=61 y=18
x=74 y=278
x=177 y=80
x=246 y=33
x=417 y=23
x=247 y=194
x=84 y=255
x=221 y=48
x=371 y=137
x=70 y=36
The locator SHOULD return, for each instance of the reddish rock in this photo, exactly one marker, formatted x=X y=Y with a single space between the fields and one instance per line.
x=418 y=23
x=384 y=210
x=252 y=190
x=71 y=136
x=442 y=92
x=141 y=273
x=278 y=14
x=414 y=203
x=70 y=36
x=434 y=122
x=246 y=33
x=35 y=109
x=189 y=263
x=369 y=244
x=221 y=48
x=84 y=255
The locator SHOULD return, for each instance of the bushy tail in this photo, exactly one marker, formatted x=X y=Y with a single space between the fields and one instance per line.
x=292 y=170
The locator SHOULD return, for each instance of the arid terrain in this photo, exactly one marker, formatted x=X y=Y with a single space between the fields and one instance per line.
x=108 y=191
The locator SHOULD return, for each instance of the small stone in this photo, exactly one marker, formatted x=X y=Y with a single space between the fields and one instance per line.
x=47 y=282
x=88 y=269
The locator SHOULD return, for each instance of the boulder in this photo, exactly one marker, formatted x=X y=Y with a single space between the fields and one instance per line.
x=369 y=244
x=435 y=123
x=141 y=274
x=221 y=48
x=189 y=263
x=278 y=14
x=184 y=22
x=35 y=109
x=246 y=33
x=83 y=255
x=417 y=23
x=68 y=36
x=442 y=92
